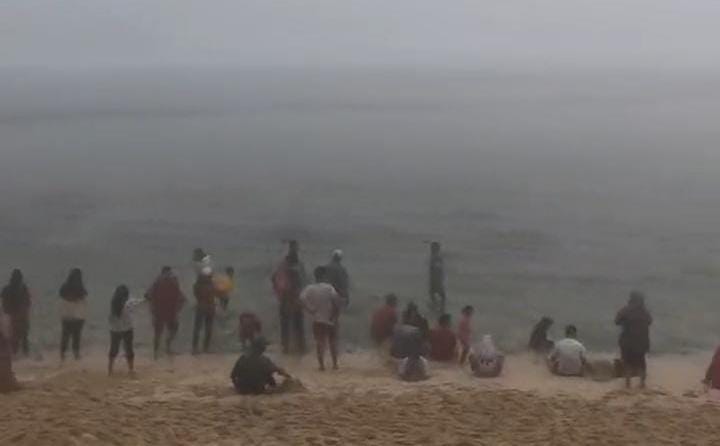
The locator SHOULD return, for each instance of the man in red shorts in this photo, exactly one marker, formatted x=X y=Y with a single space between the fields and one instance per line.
x=323 y=303
x=166 y=301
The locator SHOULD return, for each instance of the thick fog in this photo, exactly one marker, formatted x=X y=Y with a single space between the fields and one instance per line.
x=564 y=152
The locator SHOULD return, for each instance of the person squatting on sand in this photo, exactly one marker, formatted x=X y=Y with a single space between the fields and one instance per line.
x=205 y=294
x=436 y=279
x=16 y=301
x=253 y=373
x=121 y=326
x=443 y=342
x=323 y=303
x=465 y=332
x=73 y=299
x=634 y=320
x=568 y=357
x=485 y=360
x=338 y=276
x=288 y=281
x=539 y=341
x=8 y=383
x=384 y=320
x=166 y=301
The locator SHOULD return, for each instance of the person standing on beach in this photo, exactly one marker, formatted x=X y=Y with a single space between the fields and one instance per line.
x=121 y=326
x=712 y=375
x=443 y=342
x=568 y=357
x=634 y=320
x=8 y=383
x=205 y=294
x=16 y=301
x=383 y=320
x=73 y=299
x=465 y=332
x=288 y=281
x=436 y=278
x=338 y=276
x=323 y=303
x=166 y=300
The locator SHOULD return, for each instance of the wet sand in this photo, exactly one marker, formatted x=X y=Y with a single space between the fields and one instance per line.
x=189 y=401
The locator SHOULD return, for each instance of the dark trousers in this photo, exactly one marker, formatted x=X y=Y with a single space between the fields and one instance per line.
x=292 y=325
x=203 y=319
x=19 y=341
x=126 y=337
x=71 y=332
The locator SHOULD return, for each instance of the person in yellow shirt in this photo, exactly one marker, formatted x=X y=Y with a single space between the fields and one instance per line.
x=224 y=286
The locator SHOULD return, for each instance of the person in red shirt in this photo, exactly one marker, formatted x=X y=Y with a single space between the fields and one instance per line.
x=712 y=376
x=384 y=320
x=249 y=328
x=443 y=342
x=166 y=301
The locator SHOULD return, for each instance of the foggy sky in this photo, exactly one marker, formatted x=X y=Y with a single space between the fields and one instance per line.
x=530 y=35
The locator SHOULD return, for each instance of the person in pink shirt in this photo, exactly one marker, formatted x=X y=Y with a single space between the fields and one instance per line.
x=465 y=332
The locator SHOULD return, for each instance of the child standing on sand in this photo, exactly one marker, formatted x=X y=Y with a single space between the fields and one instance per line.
x=465 y=332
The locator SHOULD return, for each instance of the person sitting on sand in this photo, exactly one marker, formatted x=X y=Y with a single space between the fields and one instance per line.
x=249 y=327
x=383 y=320
x=443 y=342
x=634 y=341
x=338 y=276
x=414 y=367
x=121 y=326
x=166 y=300
x=16 y=301
x=539 y=342
x=254 y=372
x=568 y=357
x=8 y=383
x=411 y=316
x=323 y=303
x=465 y=332
x=485 y=360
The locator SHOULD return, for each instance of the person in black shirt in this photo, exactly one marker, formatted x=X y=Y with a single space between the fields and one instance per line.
x=254 y=372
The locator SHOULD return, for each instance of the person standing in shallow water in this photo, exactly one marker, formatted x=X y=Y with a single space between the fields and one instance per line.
x=73 y=300
x=288 y=281
x=634 y=320
x=436 y=279
x=16 y=304
x=338 y=276
x=323 y=303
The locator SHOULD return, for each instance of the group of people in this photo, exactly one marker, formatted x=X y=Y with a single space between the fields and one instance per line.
x=407 y=337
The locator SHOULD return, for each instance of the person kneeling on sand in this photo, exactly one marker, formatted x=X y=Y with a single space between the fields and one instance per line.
x=254 y=372
x=567 y=358
x=485 y=360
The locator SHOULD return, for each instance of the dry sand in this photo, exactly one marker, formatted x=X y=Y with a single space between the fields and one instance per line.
x=189 y=401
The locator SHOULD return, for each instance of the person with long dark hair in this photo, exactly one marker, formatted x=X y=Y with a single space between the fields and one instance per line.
x=16 y=304
x=634 y=320
x=73 y=298
x=121 y=326
x=539 y=341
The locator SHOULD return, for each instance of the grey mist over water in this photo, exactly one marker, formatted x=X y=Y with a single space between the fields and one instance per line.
x=563 y=156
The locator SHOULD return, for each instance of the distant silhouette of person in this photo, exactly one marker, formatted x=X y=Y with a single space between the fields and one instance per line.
x=384 y=320
x=16 y=301
x=73 y=298
x=205 y=295
x=338 y=276
x=288 y=281
x=166 y=300
x=539 y=341
x=634 y=320
x=436 y=278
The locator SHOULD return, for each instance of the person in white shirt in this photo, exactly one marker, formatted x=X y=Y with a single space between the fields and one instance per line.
x=122 y=308
x=568 y=357
x=323 y=303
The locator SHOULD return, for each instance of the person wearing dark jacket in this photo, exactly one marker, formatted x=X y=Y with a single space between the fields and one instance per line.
x=634 y=320
x=436 y=278
x=16 y=304
x=205 y=295
x=253 y=373
x=539 y=342
x=73 y=299
x=338 y=277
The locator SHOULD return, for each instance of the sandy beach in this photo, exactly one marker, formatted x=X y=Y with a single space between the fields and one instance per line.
x=189 y=401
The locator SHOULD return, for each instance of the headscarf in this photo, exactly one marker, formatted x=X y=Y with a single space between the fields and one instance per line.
x=73 y=289
x=486 y=349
